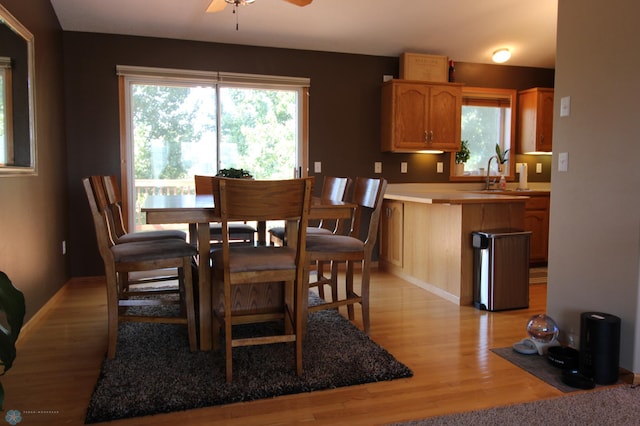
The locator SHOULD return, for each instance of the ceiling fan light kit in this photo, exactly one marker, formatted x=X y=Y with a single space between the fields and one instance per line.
x=218 y=5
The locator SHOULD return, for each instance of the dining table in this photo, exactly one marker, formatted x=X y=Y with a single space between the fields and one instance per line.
x=198 y=212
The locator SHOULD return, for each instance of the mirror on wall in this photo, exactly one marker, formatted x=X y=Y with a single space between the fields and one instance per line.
x=17 y=121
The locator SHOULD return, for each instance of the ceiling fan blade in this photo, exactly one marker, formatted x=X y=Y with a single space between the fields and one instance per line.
x=216 y=6
x=300 y=2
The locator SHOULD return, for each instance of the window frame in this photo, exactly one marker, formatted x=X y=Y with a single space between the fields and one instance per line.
x=490 y=95
x=130 y=75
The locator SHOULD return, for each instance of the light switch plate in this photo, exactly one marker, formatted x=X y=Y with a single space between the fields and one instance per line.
x=565 y=106
x=563 y=161
x=403 y=167
x=317 y=167
x=377 y=167
x=538 y=167
x=440 y=167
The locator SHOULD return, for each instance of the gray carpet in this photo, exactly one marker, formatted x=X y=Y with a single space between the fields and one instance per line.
x=154 y=372
x=619 y=406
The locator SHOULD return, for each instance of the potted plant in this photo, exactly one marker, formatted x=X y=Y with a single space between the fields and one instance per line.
x=462 y=157
x=502 y=158
x=13 y=306
x=234 y=173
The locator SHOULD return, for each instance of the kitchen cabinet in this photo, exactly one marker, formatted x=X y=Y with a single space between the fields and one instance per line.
x=535 y=120
x=536 y=220
x=391 y=232
x=432 y=248
x=419 y=116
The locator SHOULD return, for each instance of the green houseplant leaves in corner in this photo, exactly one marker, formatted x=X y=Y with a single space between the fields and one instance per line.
x=463 y=155
x=13 y=305
x=502 y=156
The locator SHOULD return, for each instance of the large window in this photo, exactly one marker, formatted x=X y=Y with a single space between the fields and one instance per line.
x=179 y=124
x=488 y=119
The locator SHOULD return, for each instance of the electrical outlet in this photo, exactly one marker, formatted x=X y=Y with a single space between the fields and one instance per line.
x=439 y=167
x=317 y=167
x=403 y=167
x=377 y=167
x=538 y=167
x=518 y=167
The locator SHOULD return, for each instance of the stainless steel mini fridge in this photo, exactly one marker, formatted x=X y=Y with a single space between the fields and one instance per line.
x=501 y=269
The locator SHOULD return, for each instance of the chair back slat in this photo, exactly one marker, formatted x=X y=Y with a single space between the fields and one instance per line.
x=368 y=195
x=97 y=203
x=114 y=199
x=261 y=200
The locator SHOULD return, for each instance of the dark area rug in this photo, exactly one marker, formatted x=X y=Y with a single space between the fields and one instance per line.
x=154 y=372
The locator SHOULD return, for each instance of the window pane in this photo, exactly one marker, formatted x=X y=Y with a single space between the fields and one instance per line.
x=174 y=138
x=484 y=127
x=258 y=131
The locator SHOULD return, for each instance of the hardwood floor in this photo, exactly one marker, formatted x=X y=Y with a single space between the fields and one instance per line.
x=445 y=345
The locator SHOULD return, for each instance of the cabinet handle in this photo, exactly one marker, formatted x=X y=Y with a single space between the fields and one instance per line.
x=426 y=136
x=431 y=136
x=388 y=212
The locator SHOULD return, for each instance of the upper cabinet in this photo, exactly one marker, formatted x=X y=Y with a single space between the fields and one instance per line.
x=535 y=124
x=419 y=116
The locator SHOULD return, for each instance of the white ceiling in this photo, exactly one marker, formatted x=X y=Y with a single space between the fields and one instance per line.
x=464 y=30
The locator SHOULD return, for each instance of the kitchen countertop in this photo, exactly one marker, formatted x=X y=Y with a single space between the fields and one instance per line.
x=434 y=194
x=452 y=196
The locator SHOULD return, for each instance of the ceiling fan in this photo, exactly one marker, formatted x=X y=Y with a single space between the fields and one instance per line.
x=218 y=5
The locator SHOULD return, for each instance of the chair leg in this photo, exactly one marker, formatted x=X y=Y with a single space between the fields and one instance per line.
x=228 y=338
x=349 y=288
x=334 y=280
x=113 y=311
x=289 y=307
x=364 y=293
x=320 y=277
x=186 y=279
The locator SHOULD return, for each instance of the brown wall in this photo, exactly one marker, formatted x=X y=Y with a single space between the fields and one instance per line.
x=33 y=214
x=344 y=108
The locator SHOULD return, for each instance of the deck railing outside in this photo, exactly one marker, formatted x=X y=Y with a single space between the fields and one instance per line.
x=167 y=187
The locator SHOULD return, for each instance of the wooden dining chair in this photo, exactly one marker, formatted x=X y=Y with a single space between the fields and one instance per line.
x=355 y=247
x=122 y=259
x=116 y=218
x=239 y=232
x=336 y=189
x=333 y=188
x=247 y=271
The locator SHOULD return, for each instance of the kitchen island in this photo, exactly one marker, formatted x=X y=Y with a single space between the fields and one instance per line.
x=426 y=234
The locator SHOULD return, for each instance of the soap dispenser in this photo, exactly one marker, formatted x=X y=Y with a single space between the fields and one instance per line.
x=503 y=182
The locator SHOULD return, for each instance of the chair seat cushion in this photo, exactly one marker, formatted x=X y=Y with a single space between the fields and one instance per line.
x=334 y=243
x=262 y=258
x=151 y=250
x=278 y=231
x=236 y=230
x=152 y=235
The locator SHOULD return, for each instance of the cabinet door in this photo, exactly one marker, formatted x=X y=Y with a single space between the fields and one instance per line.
x=536 y=220
x=545 y=121
x=391 y=229
x=445 y=118
x=418 y=116
x=411 y=116
x=535 y=120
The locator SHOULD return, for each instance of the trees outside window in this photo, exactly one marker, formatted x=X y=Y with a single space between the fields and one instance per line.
x=179 y=128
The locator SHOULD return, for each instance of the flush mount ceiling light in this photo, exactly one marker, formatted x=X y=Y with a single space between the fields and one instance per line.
x=501 y=55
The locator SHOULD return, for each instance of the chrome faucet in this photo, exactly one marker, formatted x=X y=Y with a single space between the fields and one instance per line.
x=489 y=183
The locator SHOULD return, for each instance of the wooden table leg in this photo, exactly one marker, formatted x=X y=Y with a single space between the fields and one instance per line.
x=204 y=285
